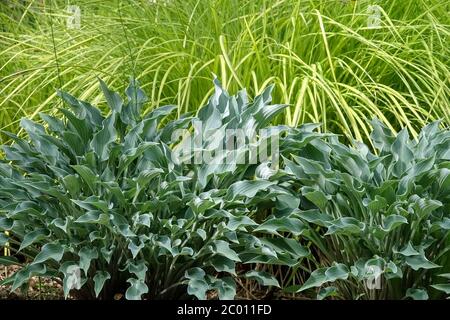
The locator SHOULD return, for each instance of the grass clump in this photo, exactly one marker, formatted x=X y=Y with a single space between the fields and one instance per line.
x=325 y=60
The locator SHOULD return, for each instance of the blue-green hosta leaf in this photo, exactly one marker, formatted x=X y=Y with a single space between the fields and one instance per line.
x=422 y=166
x=82 y=110
x=199 y=205
x=135 y=248
x=358 y=270
x=27 y=208
x=92 y=203
x=113 y=99
x=223 y=248
x=223 y=264
x=288 y=201
x=74 y=142
x=134 y=135
x=235 y=223
x=96 y=217
x=24 y=274
x=124 y=230
x=42 y=144
x=216 y=105
x=259 y=247
x=378 y=204
x=20 y=146
x=197 y=285
x=132 y=154
x=444 y=287
x=286 y=224
x=201 y=233
x=99 y=281
x=33 y=237
x=6 y=224
x=72 y=184
x=226 y=288
x=346 y=226
x=8 y=261
x=320 y=276
x=59 y=172
x=316 y=279
x=160 y=112
x=424 y=207
x=267 y=113
x=408 y=250
x=54 y=124
x=77 y=127
x=144 y=219
x=102 y=139
x=3 y=239
x=351 y=161
x=311 y=168
x=337 y=272
x=118 y=219
x=87 y=175
x=416 y=294
x=420 y=262
x=327 y=292
x=392 y=271
x=166 y=243
x=115 y=191
x=429 y=131
x=265 y=172
x=86 y=256
x=166 y=133
x=95 y=235
x=206 y=172
x=136 y=98
x=52 y=251
x=232 y=236
x=136 y=289
x=316 y=217
x=263 y=278
x=381 y=136
x=147 y=175
x=405 y=185
x=107 y=253
x=316 y=196
x=186 y=251
x=280 y=245
x=248 y=188
x=139 y=269
x=291 y=168
x=444 y=224
x=402 y=153
x=211 y=123
x=393 y=221
x=444 y=181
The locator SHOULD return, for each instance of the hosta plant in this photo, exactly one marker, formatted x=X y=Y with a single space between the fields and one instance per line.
x=119 y=203
x=379 y=222
x=100 y=202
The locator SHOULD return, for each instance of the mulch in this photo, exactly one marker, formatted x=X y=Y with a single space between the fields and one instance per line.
x=39 y=288
x=43 y=288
